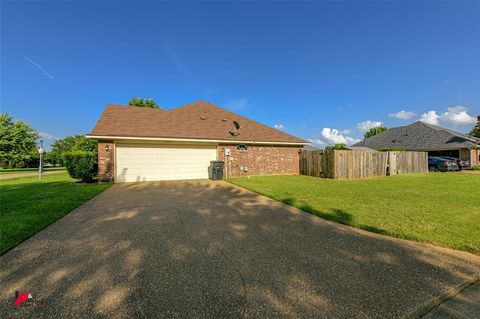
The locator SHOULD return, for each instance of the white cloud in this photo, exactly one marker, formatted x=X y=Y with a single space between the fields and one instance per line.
x=279 y=126
x=403 y=115
x=457 y=115
x=236 y=104
x=431 y=117
x=367 y=125
x=346 y=131
x=334 y=136
x=316 y=141
x=47 y=136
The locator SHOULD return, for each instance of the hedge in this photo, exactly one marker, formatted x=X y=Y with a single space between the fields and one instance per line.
x=81 y=164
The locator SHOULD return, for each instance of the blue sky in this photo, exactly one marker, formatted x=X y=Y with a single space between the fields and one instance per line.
x=323 y=71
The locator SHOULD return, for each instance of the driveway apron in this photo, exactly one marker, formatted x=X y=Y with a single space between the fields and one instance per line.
x=208 y=249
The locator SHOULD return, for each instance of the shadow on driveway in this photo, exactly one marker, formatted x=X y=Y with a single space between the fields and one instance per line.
x=213 y=250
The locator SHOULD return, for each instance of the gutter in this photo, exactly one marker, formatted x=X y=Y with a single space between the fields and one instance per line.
x=166 y=139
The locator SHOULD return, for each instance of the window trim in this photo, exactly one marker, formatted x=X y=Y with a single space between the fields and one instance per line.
x=243 y=146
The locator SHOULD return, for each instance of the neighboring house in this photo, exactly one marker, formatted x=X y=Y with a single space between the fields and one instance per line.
x=145 y=144
x=420 y=136
x=311 y=148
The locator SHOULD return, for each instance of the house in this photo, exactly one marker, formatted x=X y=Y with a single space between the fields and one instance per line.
x=420 y=136
x=146 y=144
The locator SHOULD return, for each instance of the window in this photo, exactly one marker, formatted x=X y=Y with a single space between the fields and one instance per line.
x=242 y=148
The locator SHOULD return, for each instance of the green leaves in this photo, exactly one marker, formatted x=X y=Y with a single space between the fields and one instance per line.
x=141 y=102
x=375 y=130
x=81 y=164
x=475 y=132
x=339 y=146
x=17 y=142
x=69 y=144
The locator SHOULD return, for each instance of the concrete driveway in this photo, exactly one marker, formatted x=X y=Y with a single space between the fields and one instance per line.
x=212 y=250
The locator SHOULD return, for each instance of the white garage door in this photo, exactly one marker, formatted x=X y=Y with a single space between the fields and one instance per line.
x=150 y=162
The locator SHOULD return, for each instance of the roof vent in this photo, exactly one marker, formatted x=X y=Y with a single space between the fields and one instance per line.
x=203 y=118
x=224 y=120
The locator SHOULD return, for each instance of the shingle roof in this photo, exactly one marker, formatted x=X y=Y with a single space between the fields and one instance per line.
x=198 y=120
x=419 y=136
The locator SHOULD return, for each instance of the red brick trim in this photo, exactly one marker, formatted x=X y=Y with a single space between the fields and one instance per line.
x=106 y=160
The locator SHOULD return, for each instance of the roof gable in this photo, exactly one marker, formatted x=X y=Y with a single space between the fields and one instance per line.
x=198 y=120
x=419 y=136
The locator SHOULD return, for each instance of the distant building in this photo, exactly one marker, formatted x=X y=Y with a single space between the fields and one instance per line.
x=420 y=136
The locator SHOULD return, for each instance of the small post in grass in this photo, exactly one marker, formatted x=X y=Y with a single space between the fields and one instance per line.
x=40 y=164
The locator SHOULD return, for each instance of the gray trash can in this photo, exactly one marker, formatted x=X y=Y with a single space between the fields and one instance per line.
x=216 y=170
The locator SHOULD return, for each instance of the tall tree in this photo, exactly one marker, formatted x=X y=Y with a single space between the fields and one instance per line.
x=69 y=144
x=374 y=131
x=476 y=129
x=141 y=102
x=17 y=142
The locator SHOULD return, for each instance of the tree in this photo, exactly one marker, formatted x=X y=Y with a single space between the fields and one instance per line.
x=339 y=146
x=375 y=130
x=141 y=102
x=70 y=144
x=17 y=142
x=475 y=132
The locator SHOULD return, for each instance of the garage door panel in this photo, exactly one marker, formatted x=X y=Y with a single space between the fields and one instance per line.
x=137 y=162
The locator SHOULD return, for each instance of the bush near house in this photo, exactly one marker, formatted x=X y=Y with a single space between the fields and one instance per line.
x=70 y=144
x=81 y=164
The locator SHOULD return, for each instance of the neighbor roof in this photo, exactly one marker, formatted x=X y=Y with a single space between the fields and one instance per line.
x=419 y=136
x=198 y=120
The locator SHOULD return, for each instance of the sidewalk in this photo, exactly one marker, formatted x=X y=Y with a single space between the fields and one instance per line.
x=27 y=174
x=465 y=305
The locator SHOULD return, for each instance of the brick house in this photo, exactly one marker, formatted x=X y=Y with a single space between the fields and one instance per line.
x=144 y=144
x=435 y=140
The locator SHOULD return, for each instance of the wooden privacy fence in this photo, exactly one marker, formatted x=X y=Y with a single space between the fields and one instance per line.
x=350 y=164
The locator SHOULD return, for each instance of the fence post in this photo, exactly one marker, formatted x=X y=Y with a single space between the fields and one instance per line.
x=392 y=162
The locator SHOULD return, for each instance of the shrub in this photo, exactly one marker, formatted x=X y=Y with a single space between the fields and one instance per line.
x=339 y=146
x=476 y=168
x=81 y=164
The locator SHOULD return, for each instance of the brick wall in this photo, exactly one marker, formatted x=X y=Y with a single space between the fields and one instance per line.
x=474 y=158
x=464 y=154
x=261 y=160
x=469 y=155
x=106 y=161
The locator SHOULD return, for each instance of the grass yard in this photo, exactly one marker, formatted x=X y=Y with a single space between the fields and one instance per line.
x=442 y=209
x=26 y=170
x=28 y=204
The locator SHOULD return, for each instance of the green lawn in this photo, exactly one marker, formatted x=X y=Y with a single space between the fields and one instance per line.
x=28 y=204
x=26 y=170
x=442 y=208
